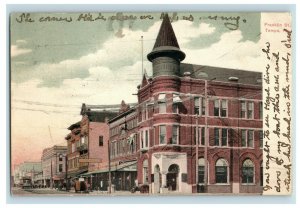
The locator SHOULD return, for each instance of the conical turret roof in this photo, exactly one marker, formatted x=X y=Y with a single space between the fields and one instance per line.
x=166 y=35
x=166 y=42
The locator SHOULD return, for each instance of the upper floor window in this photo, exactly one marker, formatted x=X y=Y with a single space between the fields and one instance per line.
x=162 y=105
x=261 y=138
x=175 y=105
x=201 y=135
x=260 y=110
x=175 y=135
x=100 y=141
x=199 y=106
x=144 y=139
x=220 y=108
x=60 y=157
x=221 y=137
x=247 y=138
x=162 y=134
x=247 y=109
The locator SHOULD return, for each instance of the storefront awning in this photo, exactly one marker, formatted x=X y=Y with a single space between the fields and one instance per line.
x=128 y=166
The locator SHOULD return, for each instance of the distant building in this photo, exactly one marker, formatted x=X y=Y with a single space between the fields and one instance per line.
x=53 y=166
x=26 y=170
x=88 y=144
x=123 y=148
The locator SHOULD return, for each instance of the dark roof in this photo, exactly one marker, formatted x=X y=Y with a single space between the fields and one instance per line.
x=73 y=126
x=121 y=115
x=166 y=42
x=221 y=74
x=100 y=116
x=166 y=35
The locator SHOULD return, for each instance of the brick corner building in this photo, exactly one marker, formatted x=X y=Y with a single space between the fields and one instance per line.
x=199 y=127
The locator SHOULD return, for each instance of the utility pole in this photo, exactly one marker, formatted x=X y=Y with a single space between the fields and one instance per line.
x=197 y=149
x=206 y=136
x=51 y=175
x=142 y=42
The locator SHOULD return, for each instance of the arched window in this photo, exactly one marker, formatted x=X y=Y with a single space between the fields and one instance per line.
x=221 y=171
x=173 y=169
x=145 y=171
x=156 y=169
x=201 y=169
x=248 y=171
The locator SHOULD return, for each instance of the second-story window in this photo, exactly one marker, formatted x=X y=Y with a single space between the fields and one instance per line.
x=60 y=158
x=100 y=141
x=217 y=136
x=162 y=134
x=261 y=139
x=247 y=138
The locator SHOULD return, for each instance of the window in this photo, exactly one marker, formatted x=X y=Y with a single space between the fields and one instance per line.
x=247 y=109
x=162 y=134
x=196 y=106
x=146 y=138
x=201 y=135
x=162 y=103
x=145 y=171
x=220 y=137
x=132 y=143
x=250 y=138
x=176 y=101
x=220 y=111
x=175 y=107
x=223 y=108
x=250 y=110
x=243 y=109
x=248 y=171
x=174 y=139
x=261 y=139
x=221 y=171
x=244 y=138
x=201 y=169
x=224 y=137
x=60 y=168
x=100 y=141
x=247 y=139
x=199 y=106
x=60 y=158
x=203 y=106
x=217 y=136
x=216 y=108
x=260 y=110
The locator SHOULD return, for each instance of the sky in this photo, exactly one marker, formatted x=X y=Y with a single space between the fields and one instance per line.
x=58 y=65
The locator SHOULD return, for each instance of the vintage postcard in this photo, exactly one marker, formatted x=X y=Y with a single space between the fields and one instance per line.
x=169 y=103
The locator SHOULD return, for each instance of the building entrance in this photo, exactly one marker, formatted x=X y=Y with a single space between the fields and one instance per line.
x=172 y=177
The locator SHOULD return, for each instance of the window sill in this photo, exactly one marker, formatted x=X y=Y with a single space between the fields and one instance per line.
x=222 y=184
x=248 y=184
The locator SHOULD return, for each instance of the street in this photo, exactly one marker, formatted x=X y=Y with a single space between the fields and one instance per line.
x=16 y=191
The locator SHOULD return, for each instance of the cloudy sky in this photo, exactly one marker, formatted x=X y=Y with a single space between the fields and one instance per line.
x=57 y=66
